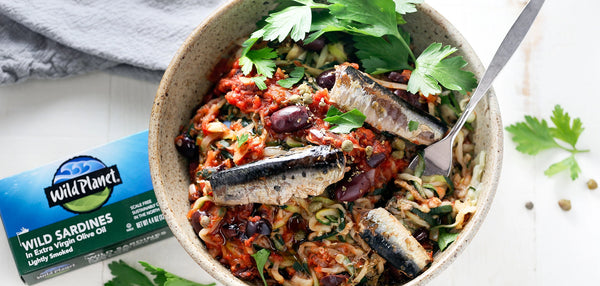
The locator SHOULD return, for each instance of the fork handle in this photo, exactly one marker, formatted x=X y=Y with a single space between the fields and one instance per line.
x=507 y=48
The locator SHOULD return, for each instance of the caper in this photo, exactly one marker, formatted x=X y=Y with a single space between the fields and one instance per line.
x=564 y=204
x=369 y=150
x=398 y=144
x=347 y=146
x=592 y=184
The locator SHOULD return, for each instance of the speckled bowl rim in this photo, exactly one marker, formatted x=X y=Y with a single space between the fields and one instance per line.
x=442 y=260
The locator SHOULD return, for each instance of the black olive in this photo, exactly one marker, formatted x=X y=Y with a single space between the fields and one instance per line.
x=326 y=79
x=375 y=159
x=262 y=226
x=354 y=188
x=333 y=280
x=290 y=119
x=315 y=46
x=186 y=146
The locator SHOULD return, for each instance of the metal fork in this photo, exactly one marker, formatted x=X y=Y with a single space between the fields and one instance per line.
x=438 y=156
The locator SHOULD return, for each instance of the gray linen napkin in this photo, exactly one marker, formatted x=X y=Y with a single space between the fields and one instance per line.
x=58 y=38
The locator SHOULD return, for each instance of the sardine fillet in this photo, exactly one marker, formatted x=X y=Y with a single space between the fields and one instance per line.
x=390 y=239
x=274 y=181
x=383 y=109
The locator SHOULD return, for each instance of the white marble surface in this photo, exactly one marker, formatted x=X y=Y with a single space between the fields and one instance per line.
x=41 y=121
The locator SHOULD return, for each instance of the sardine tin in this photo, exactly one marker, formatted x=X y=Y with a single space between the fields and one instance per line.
x=81 y=210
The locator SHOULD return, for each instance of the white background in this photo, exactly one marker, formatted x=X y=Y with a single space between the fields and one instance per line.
x=42 y=121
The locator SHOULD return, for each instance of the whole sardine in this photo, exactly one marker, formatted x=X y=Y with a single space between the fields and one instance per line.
x=384 y=110
x=299 y=173
x=392 y=241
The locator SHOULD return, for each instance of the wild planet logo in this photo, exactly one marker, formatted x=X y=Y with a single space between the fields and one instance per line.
x=82 y=184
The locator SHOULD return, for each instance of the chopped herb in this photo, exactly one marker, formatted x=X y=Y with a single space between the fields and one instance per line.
x=534 y=136
x=207 y=172
x=378 y=191
x=261 y=258
x=445 y=238
x=432 y=69
x=295 y=76
x=344 y=122
x=350 y=206
x=413 y=125
x=242 y=139
x=301 y=267
x=223 y=143
x=127 y=275
x=226 y=154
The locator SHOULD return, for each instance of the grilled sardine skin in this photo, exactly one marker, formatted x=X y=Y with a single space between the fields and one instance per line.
x=390 y=239
x=275 y=180
x=384 y=110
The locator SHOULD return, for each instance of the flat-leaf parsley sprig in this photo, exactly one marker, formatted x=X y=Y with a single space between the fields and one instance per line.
x=533 y=136
x=381 y=45
x=127 y=275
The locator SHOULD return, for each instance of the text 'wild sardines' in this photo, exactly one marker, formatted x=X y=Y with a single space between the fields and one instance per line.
x=390 y=239
x=299 y=173
x=384 y=110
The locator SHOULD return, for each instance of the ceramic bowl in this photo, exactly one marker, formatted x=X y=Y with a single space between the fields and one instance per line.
x=185 y=82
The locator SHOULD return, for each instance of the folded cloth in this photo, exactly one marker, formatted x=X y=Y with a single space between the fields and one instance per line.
x=58 y=38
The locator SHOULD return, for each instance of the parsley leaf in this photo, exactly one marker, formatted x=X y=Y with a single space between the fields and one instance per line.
x=379 y=55
x=125 y=275
x=533 y=136
x=406 y=6
x=445 y=238
x=292 y=20
x=295 y=76
x=567 y=164
x=260 y=82
x=261 y=258
x=261 y=59
x=344 y=122
x=324 y=22
x=564 y=130
x=432 y=68
x=372 y=17
x=164 y=278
